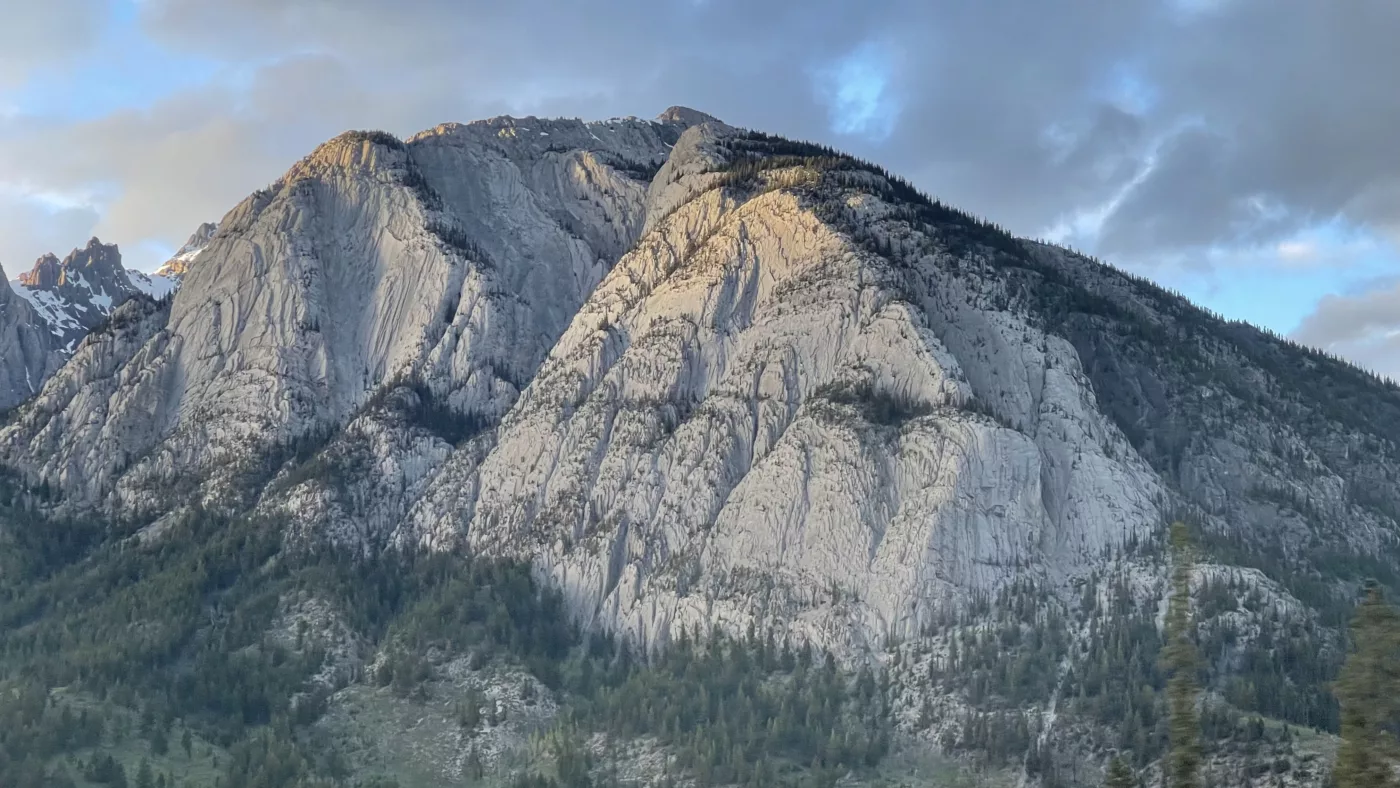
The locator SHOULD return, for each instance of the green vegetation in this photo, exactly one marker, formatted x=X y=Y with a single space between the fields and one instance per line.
x=183 y=646
x=1119 y=775
x=1181 y=663
x=182 y=628
x=1369 y=691
x=375 y=137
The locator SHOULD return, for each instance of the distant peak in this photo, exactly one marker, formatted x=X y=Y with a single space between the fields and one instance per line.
x=45 y=273
x=686 y=115
x=102 y=260
x=176 y=267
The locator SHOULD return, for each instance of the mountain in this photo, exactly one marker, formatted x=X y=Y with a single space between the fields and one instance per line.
x=74 y=295
x=67 y=299
x=166 y=279
x=597 y=425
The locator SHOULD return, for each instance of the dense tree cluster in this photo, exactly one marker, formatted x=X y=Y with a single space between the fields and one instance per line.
x=747 y=711
x=1369 y=692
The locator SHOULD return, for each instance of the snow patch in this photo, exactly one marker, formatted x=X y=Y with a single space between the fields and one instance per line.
x=155 y=285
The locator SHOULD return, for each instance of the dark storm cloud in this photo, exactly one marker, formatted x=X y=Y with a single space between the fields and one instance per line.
x=1296 y=115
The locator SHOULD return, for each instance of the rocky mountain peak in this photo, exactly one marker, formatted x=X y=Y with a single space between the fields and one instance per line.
x=176 y=267
x=46 y=273
x=97 y=264
x=686 y=116
x=701 y=376
x=352 y=151
x=73 y=295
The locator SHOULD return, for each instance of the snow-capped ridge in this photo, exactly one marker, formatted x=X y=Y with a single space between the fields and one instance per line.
x=174 y=269
x=73 y=295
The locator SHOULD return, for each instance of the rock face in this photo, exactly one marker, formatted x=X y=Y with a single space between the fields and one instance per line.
x=28 y=354
x=753 y=411
x=700 y=376
x=166 y=279
x=454 y=260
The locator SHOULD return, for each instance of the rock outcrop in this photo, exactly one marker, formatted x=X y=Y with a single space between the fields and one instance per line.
x=755 y=416
x=454 y=260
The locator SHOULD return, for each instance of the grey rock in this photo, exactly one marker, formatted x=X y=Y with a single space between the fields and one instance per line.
x=454 y=260
x=29 y=351
x=176 y=267
x=74 y=295
x=166 y=279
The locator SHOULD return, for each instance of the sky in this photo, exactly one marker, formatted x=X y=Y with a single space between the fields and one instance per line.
x=1243 y=152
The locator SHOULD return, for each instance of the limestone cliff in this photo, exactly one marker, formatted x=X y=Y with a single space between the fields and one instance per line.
x=29 y=351
x=455 y=260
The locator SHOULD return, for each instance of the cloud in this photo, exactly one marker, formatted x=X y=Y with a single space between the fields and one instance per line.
x=856 y=92
x=51 y=227
x=1145 y=131
x=38 y=34
x=1297 y=250
x=1363 y=327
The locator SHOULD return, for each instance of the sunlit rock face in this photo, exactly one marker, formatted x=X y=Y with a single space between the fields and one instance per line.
x=754 y=417
x=454 y=260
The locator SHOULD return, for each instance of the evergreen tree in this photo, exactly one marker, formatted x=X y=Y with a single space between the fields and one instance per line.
x=145 y=778
x=1368 y=691
x=1119 y=775
x=1180 y=663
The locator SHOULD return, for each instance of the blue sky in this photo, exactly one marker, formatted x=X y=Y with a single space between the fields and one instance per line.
x=1151 y=134
x=125 y=70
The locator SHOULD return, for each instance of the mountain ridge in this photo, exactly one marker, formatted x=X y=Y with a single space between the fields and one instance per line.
x=69 y=298
x=698 y=376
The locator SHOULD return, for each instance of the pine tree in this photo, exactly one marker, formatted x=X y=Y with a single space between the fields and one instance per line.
x=1180 y=663
x=1119 y=775
x=1368 y=691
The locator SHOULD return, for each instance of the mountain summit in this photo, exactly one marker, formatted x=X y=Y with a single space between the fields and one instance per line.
x=703 y=379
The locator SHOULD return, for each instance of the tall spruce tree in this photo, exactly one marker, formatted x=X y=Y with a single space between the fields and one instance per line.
x=1118 y=775
x=1180 y=663
x=1368 y=691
